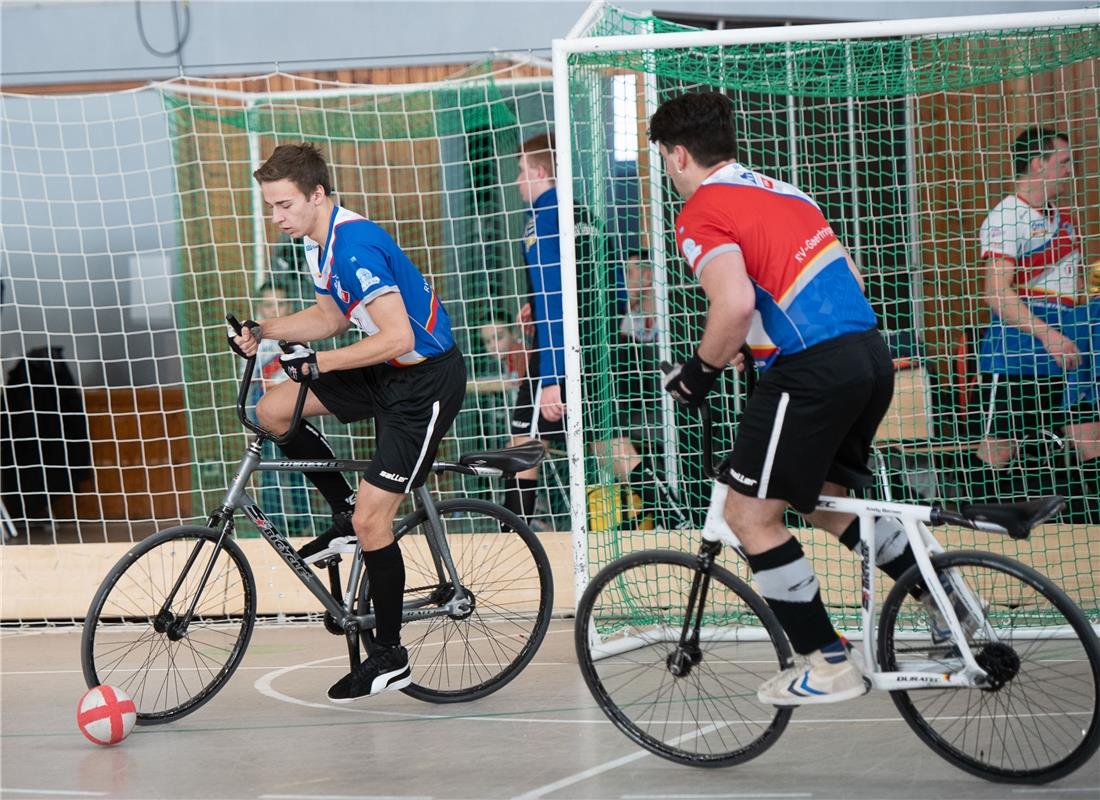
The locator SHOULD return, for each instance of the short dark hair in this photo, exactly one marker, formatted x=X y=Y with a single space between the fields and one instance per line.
x=637 y=253
x=539 y=150
x=700 y=121
x=302 y=164
x=1035 y=142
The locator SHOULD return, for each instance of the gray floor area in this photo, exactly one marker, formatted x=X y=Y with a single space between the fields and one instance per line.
x=271 y=734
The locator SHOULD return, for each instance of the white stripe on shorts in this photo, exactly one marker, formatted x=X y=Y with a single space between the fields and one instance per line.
x=773 y=444
x=536 y=411
x=987 y=423
x=424 y=447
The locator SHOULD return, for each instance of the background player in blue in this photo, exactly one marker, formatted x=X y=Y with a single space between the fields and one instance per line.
x=406 y=373
x=540 y=402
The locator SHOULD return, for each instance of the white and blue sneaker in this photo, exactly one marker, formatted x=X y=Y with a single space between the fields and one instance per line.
x=824 y=676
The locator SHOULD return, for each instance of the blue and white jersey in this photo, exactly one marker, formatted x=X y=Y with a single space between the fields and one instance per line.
x=358 y=262
x=542 y=252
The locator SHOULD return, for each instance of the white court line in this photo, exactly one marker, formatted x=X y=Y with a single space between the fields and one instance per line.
x=542 y=791
x=4 y=790
x=345 y=797
x=1052 y=791
x=8 y=673
x=744 y=795
x=264 y=687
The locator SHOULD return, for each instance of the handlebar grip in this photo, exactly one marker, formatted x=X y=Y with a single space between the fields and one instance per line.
x=665 y=367
x=290 y=347
x=234 y=323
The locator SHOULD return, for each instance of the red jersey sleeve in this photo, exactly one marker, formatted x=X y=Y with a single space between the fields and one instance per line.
x=704 y=231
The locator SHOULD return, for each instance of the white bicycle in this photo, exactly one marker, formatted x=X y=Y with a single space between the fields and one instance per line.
x=999 y=672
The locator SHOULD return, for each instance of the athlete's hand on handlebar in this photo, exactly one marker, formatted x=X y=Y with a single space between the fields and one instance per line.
x=299 y=362
x=244 y=337
x=688 y=383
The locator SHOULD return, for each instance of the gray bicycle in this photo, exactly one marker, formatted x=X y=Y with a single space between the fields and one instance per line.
x=171 y=621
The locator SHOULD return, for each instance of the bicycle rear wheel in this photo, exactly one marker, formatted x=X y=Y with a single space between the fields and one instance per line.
x=132 y=640
x=502 y=564
x=627 y=635
x=1040 y=720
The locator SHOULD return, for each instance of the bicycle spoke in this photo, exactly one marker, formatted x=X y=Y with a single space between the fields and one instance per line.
x=1039 y=719
x=168 y=670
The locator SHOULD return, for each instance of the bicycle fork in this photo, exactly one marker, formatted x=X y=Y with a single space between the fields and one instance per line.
x=688 y=653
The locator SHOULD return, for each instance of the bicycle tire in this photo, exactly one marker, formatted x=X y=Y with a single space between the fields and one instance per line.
x=125 y=641
x=503 y=564
x=1017 y=739
x=636 y=604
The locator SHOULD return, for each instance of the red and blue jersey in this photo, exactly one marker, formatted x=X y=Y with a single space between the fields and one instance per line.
x=805 y=291
x=1042 y=246
x=358 y=262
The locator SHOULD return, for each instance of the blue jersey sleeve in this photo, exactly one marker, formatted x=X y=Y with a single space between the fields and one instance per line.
x=549 y=326
x=367 y=272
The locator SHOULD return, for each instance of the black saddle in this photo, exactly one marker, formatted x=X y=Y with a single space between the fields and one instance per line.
x=510 y=460
x=1016 y=518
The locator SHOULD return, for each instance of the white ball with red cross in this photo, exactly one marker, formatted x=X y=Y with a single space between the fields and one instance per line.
x=106 y=715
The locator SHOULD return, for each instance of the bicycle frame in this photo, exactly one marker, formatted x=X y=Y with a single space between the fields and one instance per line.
x=237 y=498
x=914 y=519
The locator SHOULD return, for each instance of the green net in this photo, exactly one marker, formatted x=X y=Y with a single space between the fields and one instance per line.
x=906 y=144
x=434 y=165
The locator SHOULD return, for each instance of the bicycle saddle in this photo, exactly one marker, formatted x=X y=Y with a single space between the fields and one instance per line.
x=510 y=460
x=1016 y=518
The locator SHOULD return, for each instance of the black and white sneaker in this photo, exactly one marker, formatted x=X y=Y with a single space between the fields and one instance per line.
x=385 y=670
x=332 y=541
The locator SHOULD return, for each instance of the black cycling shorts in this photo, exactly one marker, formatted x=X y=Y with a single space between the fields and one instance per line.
x=813 y=418
x=412 y=407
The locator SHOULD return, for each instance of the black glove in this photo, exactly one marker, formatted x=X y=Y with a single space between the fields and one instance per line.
x=689 y=382
x=295 y=361
x=253 y=329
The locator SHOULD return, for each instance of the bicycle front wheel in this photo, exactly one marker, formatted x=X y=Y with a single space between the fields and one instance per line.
x=627 y=636
x=133 y=637
x=1039 y=719
x=503 y=567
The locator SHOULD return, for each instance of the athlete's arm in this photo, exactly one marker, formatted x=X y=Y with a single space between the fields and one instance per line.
x=319 y=321
x=732 y=301
x=1004 y=301
x=316 y=322
x=854 y=269
x=394 y=337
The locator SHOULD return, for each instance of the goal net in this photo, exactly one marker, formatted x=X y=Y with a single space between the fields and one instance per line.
x=132 y=225
x=903 y=134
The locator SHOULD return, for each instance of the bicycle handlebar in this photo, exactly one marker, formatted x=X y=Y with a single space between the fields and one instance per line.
x=710 y=469
x=246 y=384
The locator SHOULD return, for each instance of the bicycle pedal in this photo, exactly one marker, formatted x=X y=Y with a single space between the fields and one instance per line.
x=325 y=560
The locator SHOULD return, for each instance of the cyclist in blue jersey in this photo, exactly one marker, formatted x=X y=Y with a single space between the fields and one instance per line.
x=406 y=374
x=540 y=402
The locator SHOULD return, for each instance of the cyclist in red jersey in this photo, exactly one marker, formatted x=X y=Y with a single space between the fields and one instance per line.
x=777 y=278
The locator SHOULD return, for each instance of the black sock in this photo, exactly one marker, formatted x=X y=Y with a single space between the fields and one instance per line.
x=520 y=495
x=657 y=498
x=894 y=554
x=386 y=573
x=787 y=582
x=309 y=443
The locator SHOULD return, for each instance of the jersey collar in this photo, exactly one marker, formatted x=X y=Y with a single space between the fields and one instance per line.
x=547 y=198
x=328 y=239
